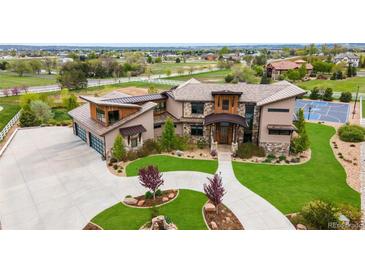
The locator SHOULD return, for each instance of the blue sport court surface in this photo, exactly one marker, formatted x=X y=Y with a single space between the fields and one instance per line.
x=324 y=111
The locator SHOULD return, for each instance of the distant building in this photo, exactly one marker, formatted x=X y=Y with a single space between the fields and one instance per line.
x=275 y=69
x=209 y=56
x=348 y=58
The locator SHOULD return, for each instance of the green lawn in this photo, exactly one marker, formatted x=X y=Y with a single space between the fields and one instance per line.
x=7 y=114
x=160 y=68
x=10 y=80
x=211 y=76
x=289 y=187
x=349 y=84
x=363 y=107
x=61 y=115
x=185 y=211
x=170 y=163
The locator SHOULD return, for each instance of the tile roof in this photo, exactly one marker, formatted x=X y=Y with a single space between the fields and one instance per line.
x=286 y=65
x=260 y=94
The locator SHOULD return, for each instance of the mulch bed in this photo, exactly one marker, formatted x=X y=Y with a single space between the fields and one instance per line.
x=225 y=220
x=158 y=200
x=91 y=226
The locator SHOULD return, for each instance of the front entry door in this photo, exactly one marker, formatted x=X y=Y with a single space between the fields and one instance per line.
x=224 y=135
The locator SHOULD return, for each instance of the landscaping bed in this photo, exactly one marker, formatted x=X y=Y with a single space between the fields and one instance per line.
x=224 y=220
x=147 y=201
x=91 y=226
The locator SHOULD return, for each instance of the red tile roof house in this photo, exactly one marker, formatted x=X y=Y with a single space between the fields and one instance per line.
x=275 y=69
x=221 y=113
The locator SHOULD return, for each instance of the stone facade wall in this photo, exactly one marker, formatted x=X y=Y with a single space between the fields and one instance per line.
x=208 y=109
x=276 y=148
x=187 y=131
x=256 y=125
x=241 y=109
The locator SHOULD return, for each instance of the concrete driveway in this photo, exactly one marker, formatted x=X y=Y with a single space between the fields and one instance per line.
x=50 y=179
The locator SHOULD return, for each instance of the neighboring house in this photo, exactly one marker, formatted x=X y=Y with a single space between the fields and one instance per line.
x=348 y=58
x=275 y=69
x=209 y=56
x=223 y=114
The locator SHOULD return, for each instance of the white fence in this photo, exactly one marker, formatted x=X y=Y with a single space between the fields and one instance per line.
x=9 y=125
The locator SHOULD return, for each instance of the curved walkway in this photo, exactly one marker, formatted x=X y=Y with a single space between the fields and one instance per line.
x=49 y=179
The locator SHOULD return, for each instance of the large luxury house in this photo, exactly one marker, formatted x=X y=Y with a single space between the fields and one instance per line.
x=275 y=69
x=221 y=113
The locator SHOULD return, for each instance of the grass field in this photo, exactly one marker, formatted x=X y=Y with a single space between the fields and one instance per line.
x=7 y=114
x=363 y=107
x=185 y=211
x=169 y=163
x=289 y=187
x=211 y=76
x=10 y=80
x=160 y=68
x=349 y=84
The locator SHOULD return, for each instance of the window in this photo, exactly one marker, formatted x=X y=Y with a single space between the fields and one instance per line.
x=197 y=108
x=100 y=115
x=134 y=142
x=249 y=113
x=278 y=110
x=113 y=116
x=225 y=104
x=157 y=126
x=196 y=130
x=161 y=106
x=279 y=132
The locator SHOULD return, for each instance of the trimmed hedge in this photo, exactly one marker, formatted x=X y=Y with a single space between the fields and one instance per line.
x=351 y=133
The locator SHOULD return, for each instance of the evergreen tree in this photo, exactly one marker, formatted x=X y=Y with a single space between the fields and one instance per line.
x=168 y=137
x=301 y=142
x=265 y=79
x=118 y=150
x=327 y=96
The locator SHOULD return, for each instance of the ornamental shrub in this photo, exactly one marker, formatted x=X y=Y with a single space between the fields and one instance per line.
x=28 y=119
x=346 y=97
x=320 y=215
x=41 y=110
x=351 y=133
x=328 y=93
x=229 y=78
x=248 y=150
x=315 y=95
x=168 y=138
x=201 y=143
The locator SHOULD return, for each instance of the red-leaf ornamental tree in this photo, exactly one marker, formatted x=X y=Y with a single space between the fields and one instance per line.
x=215 y=190
x=150 y=178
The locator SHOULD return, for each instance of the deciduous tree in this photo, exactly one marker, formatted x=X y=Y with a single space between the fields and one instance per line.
x=215 y=191
x=150 y=178
x=118 y=150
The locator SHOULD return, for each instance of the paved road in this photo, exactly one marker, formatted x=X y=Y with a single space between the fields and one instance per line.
x=50 y=179
x=103 y=82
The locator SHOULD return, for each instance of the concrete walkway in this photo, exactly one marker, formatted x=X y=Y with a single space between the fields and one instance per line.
x=50 y=179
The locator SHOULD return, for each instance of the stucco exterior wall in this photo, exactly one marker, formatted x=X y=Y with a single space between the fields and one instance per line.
x=277 y=142
x=178 y=130
x=146 y=119
x=174 y=107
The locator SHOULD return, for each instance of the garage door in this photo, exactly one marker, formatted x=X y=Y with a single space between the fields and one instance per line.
x=97 y=144
x=80 y=132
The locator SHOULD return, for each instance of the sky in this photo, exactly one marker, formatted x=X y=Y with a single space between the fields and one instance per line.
x=187 y=21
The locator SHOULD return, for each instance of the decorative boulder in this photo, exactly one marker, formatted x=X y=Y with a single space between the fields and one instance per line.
x=140 y=203
x=171 y=195
x=179 y=153
x=301 y=227
x=130 y=201
x=159 y=223
x=165 y=199
x=209 y=207
x=213 y=225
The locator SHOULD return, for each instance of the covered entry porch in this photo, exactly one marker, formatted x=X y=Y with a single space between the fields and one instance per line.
x=225 y=129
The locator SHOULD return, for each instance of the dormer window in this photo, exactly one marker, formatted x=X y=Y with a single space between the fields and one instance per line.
x=100 y=115
x=113 y=116
x=225 y=104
